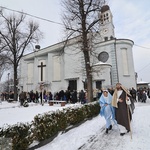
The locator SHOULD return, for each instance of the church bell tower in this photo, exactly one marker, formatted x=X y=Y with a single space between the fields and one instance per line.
x=106 y=23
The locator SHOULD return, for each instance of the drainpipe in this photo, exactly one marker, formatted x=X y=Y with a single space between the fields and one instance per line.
x=116 y=60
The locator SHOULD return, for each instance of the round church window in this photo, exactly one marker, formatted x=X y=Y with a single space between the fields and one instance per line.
x=103 y=56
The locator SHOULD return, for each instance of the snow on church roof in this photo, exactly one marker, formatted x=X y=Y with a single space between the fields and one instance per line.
x=101 y=63
x=142 y=82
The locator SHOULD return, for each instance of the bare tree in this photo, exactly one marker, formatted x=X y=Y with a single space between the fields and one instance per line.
x=16 y=36
x=81 y=18
x=4 y=64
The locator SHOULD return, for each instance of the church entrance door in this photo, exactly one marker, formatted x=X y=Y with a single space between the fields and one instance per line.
x=72 y=85
x=98 y=85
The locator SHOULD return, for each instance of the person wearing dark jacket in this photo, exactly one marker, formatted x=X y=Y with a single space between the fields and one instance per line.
x=21 y=98
x=144 y=97
x=82 y=97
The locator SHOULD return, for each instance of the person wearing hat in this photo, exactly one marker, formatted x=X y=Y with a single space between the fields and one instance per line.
x=106 y=109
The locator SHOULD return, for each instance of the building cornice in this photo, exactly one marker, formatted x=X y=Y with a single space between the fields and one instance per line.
x=60 y=46
x=52 y=49
x=116 y=41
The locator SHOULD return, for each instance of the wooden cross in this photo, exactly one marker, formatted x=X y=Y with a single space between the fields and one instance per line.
x=41 y=66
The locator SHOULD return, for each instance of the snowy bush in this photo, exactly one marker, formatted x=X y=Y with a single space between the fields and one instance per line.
x=49 y=124
x=20 y=135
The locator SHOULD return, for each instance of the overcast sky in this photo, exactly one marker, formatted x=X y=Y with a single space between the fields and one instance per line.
x=131 y=20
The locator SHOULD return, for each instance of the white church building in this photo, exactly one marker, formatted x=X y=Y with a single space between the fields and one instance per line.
x=60 y=68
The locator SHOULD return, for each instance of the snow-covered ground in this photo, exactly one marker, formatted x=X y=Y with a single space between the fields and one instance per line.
x=12 y=113
x=91 y=134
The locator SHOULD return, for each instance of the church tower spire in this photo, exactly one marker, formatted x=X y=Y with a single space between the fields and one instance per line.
x=106 y=23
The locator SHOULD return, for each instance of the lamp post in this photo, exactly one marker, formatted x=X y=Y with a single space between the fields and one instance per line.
x=8 y=81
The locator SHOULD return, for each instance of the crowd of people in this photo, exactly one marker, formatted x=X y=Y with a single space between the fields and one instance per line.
x=71 y=96
x=142 y=94
x=37 y=97
x=68 y=96
x=7 y=95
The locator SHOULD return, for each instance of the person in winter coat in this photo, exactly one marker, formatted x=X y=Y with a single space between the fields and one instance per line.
x=82 y=97
x=22 y=98
x=148 y=92
x=144 y=97
x=133 y=94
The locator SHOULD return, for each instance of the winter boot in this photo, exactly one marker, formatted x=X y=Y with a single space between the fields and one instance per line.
x=110 y=127
x=107 y=130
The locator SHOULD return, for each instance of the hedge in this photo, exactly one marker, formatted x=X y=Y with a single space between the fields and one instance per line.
x=20 y=135
x=47 y=125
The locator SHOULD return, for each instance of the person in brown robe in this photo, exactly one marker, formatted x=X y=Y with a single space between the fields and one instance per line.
x=124 y=107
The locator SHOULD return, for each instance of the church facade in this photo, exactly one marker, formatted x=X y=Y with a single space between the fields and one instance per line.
x=61 y=68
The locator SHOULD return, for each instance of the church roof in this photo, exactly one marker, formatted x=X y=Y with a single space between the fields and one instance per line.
x=105 y=8
x=52 y=48
x=60 y=46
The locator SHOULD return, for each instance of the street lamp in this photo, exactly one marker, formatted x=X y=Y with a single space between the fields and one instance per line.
x=8 y=81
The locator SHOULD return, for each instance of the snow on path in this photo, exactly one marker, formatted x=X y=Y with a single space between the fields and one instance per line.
x=140 y=135
x=91 y=135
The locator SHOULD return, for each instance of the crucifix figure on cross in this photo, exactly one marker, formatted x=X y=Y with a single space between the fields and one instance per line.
x=41 y=66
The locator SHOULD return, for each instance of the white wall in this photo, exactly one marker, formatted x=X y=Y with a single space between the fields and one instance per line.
x=72 y=63
x=126 y=80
